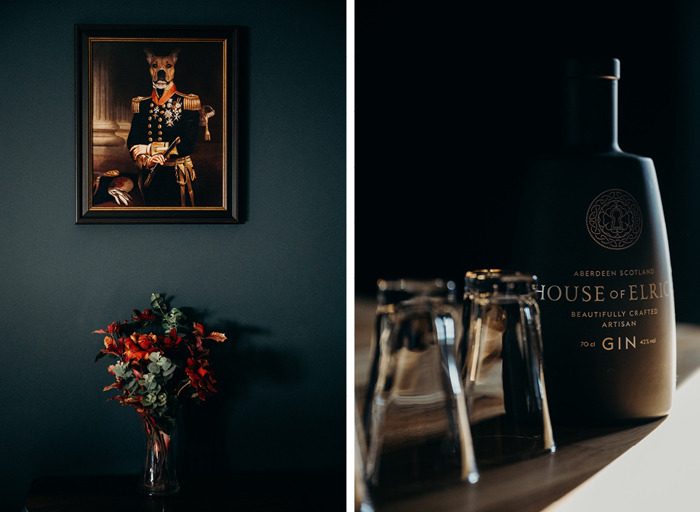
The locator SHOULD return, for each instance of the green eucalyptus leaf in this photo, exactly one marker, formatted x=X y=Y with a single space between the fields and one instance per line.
x=154 y=368
x=122 y=370
x=174 y=319
x=150 y=383
x=158 y=305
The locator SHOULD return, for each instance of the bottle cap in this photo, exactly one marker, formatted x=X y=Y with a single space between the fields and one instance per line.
x=593 y=67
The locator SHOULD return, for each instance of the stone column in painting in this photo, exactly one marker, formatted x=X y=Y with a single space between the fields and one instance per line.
x=104 y=126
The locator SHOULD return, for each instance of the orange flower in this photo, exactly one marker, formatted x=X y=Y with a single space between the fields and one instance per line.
x=138 y=346
x=146 y=341
x=112 y=347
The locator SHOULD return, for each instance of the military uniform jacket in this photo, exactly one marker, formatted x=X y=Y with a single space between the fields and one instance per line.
x=163 y=119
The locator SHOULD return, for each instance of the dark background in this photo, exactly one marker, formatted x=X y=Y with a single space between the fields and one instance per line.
x=456 y=99
x=275 y=284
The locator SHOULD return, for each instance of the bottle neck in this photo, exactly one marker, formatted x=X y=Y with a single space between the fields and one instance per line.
x=591 y=114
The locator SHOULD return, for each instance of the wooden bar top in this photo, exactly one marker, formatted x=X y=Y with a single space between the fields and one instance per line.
x=557 y=481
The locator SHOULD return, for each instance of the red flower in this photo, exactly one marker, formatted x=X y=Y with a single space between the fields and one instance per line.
x=146 y=316
x=114 y=328
x=198 y=329
x=200 y=377
x=172 y=340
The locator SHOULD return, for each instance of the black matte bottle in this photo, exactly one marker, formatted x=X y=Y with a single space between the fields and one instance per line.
x=592 y=229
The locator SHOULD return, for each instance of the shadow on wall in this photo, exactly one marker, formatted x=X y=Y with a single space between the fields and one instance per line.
x=236 y=365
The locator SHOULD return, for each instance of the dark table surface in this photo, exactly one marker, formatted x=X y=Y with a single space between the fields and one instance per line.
x=540 y=483
x=254 y=491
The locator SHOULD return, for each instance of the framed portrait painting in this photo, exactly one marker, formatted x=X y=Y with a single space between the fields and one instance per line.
x=156 y=122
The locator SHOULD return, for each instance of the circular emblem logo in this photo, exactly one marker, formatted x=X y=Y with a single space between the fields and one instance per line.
x=614 y=219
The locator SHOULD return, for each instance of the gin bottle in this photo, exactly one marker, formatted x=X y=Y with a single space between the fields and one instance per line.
x=592 y=229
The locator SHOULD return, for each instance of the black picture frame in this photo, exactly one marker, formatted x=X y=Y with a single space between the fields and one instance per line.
x=113 y=91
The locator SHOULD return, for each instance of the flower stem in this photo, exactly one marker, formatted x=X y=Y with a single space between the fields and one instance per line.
x=180 y=390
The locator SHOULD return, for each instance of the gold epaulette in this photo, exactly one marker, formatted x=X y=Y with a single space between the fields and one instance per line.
x=135 y=103
x=190 y=101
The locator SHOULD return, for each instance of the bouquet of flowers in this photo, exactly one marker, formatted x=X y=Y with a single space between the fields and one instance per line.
x=161 y=362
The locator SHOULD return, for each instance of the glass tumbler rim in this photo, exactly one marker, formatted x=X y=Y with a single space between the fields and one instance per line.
x=394 y=291
x=415 y=285
x=509 y=282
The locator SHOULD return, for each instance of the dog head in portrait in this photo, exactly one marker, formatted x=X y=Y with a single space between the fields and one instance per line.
x=162 y=68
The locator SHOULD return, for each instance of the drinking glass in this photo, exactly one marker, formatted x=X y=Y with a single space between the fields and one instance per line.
x=501 y=366
x=415 y=412
x=363 y=502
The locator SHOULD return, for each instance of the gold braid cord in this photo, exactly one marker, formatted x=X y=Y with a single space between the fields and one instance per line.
x=183 y=169
x=204 y=114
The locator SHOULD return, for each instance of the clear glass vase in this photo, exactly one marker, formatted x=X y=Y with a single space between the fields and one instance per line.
x=159 y=477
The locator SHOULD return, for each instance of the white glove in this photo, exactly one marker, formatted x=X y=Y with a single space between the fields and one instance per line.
x=120 y=196
x=119 y=189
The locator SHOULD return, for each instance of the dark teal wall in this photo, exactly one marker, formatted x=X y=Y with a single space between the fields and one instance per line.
x=276 y=283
